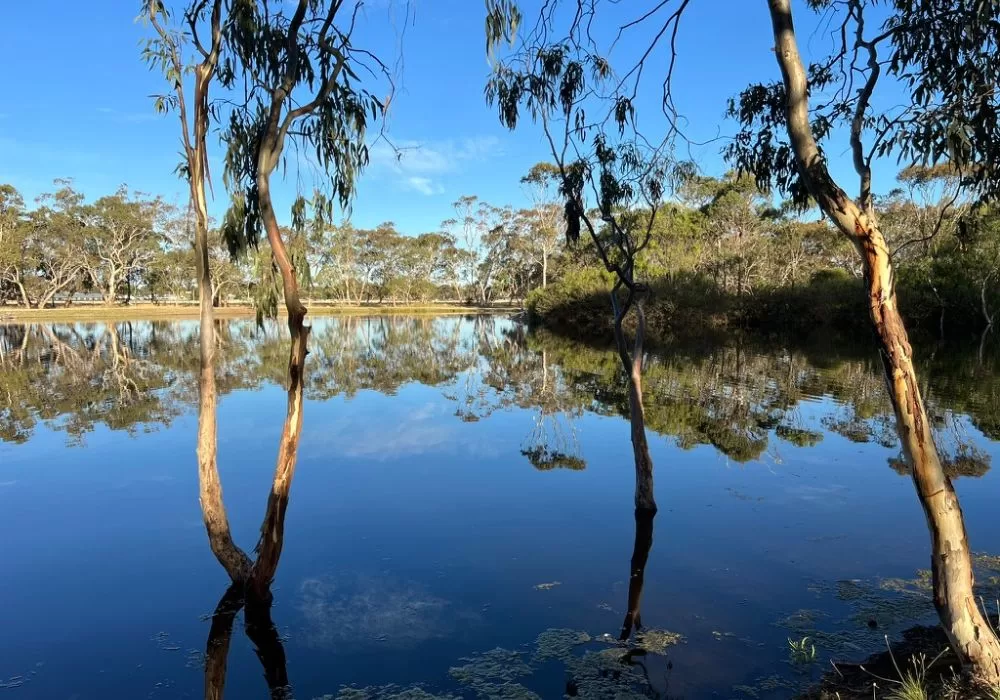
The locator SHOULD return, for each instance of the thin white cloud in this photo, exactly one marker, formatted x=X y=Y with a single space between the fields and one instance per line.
x=425 y=429
x=421 y=166
x=423 y=185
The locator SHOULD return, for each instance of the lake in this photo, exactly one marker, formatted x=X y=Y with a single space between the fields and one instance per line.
x=461 y=519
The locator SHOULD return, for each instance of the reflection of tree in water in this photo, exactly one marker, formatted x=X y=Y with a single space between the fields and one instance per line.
x=733 y=398
x=74 y=378
x=736 y=399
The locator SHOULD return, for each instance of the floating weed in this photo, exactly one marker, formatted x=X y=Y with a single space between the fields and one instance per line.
x=802 y=621
x=490 y=670
x=598 y=675
x=386 y=692
x=923 y=583
x=507 y=691
x=195 y=659
x=163 y=642
x=13 y=682
x=657 y=641
x=558 y=644
x=767 y=684
x=880 y=605
x=615 y=672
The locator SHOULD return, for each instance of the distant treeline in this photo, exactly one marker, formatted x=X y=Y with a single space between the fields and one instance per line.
x=721 y=255
x=128 y=245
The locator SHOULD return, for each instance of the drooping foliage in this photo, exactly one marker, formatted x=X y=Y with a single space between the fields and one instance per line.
x=304 y=103
x=941 y=53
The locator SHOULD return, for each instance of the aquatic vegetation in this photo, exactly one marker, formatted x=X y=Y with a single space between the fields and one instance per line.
x=656 y=641
x=910 y=688
x=490 y=669
x=558 y=644
x=547 y=586
x=802 y=651
x=767 y=684
x=802 y=621
x=386 y=692
x=507 y=691
x=598 y=675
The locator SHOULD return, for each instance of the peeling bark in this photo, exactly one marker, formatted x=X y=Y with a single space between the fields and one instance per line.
x=968 y=630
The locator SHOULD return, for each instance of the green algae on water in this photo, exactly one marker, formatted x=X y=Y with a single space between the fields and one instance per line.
x=490 y=669
x=558 y=644
x=386 y=692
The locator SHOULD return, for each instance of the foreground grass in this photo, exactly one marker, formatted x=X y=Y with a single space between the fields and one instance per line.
x=99 y=312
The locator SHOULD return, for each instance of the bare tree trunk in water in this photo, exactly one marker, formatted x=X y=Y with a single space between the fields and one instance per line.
x=261 y=631
x=968 y=630
x=272 y=529
x=640 y=555
x=233 y=559
x=219 y=637
x=268 y=647
x=632 y=365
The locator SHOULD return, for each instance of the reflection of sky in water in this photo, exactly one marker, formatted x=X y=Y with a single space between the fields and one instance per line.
x=364 y=610
x=415 y=538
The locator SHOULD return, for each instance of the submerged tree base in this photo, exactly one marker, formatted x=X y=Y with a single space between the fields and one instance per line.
x=921 y=658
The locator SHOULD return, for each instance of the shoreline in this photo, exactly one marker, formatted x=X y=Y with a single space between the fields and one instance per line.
x=144 y=312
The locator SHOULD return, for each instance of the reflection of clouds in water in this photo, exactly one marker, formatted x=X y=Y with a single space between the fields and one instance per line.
x=835 y=493
x=393 y=431
x=359 y=610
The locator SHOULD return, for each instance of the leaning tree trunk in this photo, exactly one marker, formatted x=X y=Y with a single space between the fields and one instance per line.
x=632 y=365
x=232 y=558
x=24 y=294
x=272 y=529
x=968 y=630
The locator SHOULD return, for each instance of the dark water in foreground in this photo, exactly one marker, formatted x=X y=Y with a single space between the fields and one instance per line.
x=461 y=516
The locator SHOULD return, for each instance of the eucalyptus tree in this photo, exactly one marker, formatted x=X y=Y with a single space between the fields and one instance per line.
x=53 y=246
x=12 y=231
x=944 y=56
x=542 y=183
x=122 y=238
x=297 y=69
x=200 y=27
x=478 y=228
x=621 y=176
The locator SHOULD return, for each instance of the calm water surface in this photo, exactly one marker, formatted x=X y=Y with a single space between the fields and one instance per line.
x=461 y=516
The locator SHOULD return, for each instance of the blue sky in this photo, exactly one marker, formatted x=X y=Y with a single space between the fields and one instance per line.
x=76 y=103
